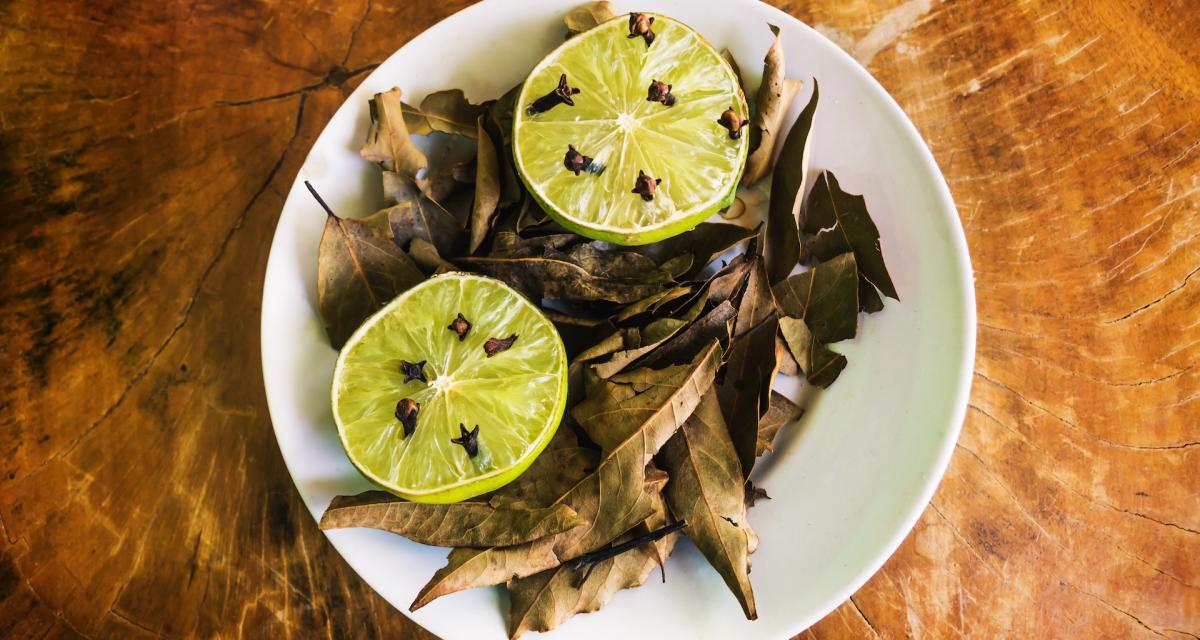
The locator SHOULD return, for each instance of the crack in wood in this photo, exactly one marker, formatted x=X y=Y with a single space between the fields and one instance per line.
x=221 y=248
x=1069 y=423
x=1115 y=608
x=864 y=617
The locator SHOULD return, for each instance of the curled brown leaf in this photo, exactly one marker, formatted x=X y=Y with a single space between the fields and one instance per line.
x=359 y=269
x=825 y=297
x=787 y=194
x=775 y=96
x=487 y=187
x=446 y=111
x=588 y=15
x=545 y=600
x=630 y=419
x=388 y=142
x=780 y=413
x=820 y=364
x=706 y=491
x=462 y=524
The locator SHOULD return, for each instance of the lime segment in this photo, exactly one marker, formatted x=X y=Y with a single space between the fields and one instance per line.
x=697 y=160
x=516 y=396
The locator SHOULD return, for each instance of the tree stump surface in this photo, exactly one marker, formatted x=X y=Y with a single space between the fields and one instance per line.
x=145 y=151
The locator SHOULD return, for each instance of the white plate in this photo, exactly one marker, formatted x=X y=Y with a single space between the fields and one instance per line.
x=846 y=484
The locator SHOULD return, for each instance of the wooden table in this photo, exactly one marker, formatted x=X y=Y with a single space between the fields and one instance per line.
x=145 y=148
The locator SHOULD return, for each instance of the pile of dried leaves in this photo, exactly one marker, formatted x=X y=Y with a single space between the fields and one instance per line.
x=670 y=408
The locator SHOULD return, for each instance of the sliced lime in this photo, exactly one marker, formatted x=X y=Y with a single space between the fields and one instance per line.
x=613 y=122
x=516 y=396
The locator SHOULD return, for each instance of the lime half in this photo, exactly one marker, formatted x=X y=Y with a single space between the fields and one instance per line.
x=405 y=382
x=616 y=125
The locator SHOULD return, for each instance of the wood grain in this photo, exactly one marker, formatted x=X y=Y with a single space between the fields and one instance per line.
x=145 y=148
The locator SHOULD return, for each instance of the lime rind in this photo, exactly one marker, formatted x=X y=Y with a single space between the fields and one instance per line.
x=614 y=124
x=518 y=397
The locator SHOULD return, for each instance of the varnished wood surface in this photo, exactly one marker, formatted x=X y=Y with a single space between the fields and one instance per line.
x=145 y=148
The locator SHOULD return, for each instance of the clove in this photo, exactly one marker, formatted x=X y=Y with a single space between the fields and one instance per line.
x=469 y=439
x=640 y=26
x=645 y=186
x=575 y=161
x=560 y=95
x=496 y=345
x=413 y=371
x=461 y=326
x=660 y=92
x=406 y=413
x=729 y=119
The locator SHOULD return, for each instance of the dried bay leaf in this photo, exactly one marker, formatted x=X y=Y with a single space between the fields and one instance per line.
x=388 y=142
x=561 y=466
x=630 y=421
x=745 y=389
x=754 y=494
x=603 y=261
x=716 y=324
x=787 y=193
x=775 y=96
x=825 y=297
x=359 y=269
x=560 y=279
x=446 y=111
x=868 y=297
x=462 y=524
x=836 y=222
x=705 y=243
x=545 y=600
x=487 y=187
x=588 y=15
x=427 y=258
x=820 y=364
x=780 y=413
x=638 y=341
x=417 y=216
x=651 y=302
x=783 y=357
x=706 y=491
x=499 y=124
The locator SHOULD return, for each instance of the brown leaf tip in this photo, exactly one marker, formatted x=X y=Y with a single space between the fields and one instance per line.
x=640 y=26
x=575 y=161
x=754 y=494
x=560 y=95
x=645 y=186
x=660 y=92
x=496 y=345
x=413 y=371
x=406 y=413
x=468 y=439
x=730 y=120
x=461 y=326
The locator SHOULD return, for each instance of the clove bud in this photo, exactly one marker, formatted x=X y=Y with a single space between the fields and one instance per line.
x=413 y=371
x=660 y=92
x=496 y=345
x=729 y=119
x=460 y=326
x=640 y=26
x=645 y=186
x=560 y=95
x=575 y=161
x=406 y=413
x=469 y=439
